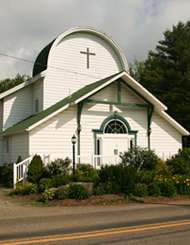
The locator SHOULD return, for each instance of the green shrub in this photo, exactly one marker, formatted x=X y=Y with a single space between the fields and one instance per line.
x=36 y=169
x=153 y=190
x=62 y=192
x=1 y=176
x=58 y=167
x=163 y=169
x=99 y=190
x=49 y=194
x=111 y=187
x=85 y=172
x=180 y=163
x=76 y=191
x=167 y=188
x=45 y=184
x=129 y=180
x=113 y=173
x=140 y=158
x=19 y=159
x=150 y=160
x=141 y=190
x=146 y=176
x=59 y=180
x=7 y=175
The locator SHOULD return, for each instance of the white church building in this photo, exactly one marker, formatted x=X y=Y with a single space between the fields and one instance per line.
x=81 y=86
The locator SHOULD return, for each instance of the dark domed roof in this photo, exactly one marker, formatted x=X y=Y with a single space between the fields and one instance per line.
x=41 y=60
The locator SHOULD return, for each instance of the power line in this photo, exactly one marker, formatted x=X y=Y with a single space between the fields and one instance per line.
x=59 y=68
x=44 y=65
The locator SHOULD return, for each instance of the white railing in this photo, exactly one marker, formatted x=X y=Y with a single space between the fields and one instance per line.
x=98 y=160
x=20 y=170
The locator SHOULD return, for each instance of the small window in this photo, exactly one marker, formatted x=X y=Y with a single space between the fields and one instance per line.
x=115 y=151
x=36 y=106
x=7 y=145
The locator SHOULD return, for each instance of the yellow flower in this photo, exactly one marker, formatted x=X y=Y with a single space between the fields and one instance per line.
x=165 y=179
x=184 y=181
x=187 y=179
x=174 y=177
x=187 y=183
x=160 y=179
x=177 y=182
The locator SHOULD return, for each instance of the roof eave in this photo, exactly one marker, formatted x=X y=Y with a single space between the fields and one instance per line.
x=24 y=84
x=13 y=132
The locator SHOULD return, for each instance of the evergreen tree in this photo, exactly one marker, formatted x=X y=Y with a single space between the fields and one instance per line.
x=8 y=83
x=166 y=72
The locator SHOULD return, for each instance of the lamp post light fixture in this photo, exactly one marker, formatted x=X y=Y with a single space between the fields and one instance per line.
x=74 y=140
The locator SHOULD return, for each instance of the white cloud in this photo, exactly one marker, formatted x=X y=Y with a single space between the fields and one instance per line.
x=137 y=25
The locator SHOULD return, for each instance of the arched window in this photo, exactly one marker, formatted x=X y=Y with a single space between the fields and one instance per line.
x=115 y=127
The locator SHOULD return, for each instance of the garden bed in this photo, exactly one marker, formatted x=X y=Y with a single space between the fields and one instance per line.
x=108 y=199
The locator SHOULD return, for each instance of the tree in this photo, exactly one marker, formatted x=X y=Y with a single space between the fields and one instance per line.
x=8 y=83
x=166 y=72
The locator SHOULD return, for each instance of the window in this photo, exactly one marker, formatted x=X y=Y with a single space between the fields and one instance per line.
x=115 y=127
x=36 y=106
x=7 y=145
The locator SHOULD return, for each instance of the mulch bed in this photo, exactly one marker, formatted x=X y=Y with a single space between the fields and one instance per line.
x=109 y=199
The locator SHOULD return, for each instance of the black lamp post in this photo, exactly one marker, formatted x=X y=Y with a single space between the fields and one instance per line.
x=74 y=140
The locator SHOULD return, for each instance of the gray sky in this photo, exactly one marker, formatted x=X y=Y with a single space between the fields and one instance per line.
x=27 y=26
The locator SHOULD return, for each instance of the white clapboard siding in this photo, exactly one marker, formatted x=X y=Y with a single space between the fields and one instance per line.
x=164 y=137
x=38 y=95
x=68 y=67
x=17 y=106
x=54 y=136
x=7 y=144
x=110 y=94
x=127 y=96
x=19 y=146
x=107 y=94
x=92 y=119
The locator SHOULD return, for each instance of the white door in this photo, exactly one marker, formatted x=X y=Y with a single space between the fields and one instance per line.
x=112 y=146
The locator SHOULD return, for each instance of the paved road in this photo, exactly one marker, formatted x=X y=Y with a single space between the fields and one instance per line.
x=157 y=223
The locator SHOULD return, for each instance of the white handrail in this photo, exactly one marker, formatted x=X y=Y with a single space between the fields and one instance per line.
x=20 y=170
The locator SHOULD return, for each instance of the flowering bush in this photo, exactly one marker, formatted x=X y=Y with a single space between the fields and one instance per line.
x=62 y=192
x=182 y=183
x=48 y=194
x=140 y=158
x=26 y=189
x=58 y=167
